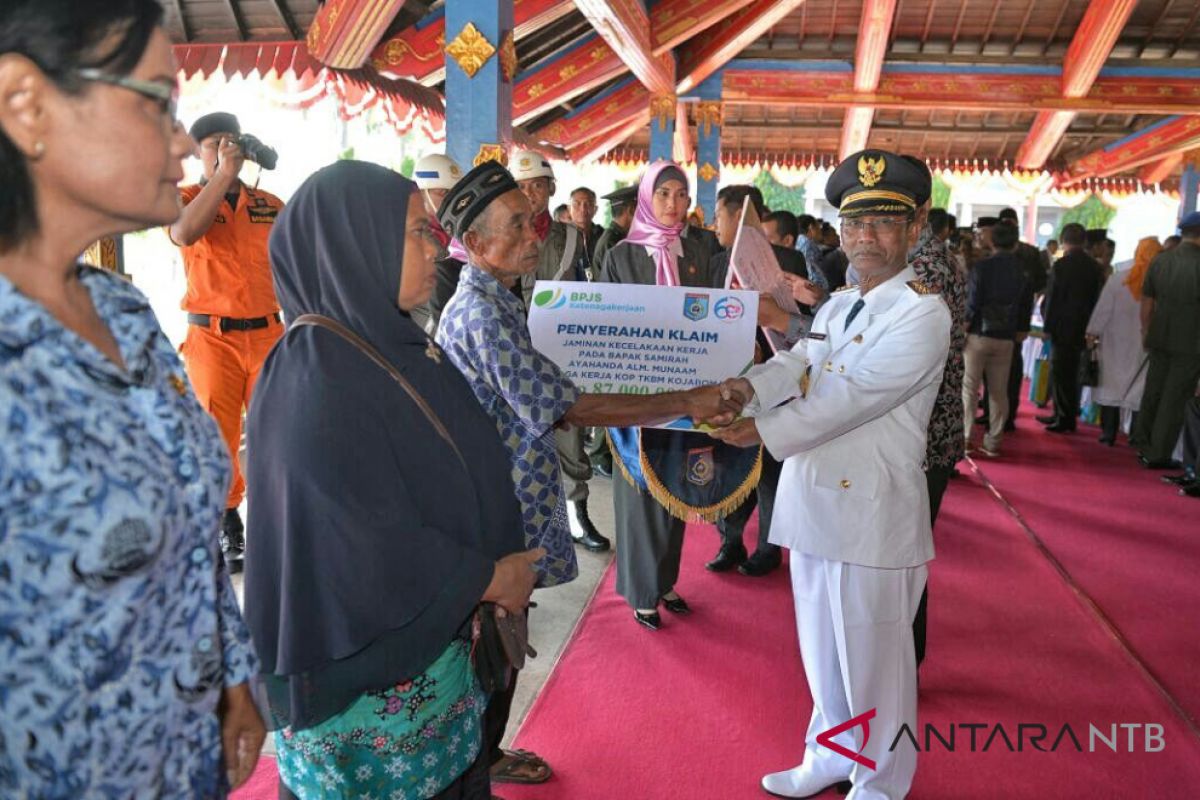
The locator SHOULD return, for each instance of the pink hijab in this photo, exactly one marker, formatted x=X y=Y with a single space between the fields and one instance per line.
x=646 y=230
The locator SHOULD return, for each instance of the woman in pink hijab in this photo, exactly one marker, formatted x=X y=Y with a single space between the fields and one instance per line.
x=649 y=537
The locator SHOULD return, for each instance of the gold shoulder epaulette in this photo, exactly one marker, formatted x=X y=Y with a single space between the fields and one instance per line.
x=921 y=288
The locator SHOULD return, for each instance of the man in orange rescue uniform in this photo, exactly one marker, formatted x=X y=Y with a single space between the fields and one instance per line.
x=233 y=315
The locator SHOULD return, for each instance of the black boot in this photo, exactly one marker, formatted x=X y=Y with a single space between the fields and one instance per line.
x=761 y=563
x=233 y=539
x=582 y=529
x=731 y=555
x=1110 y=421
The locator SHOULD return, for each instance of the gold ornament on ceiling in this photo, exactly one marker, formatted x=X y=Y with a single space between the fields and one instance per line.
x=708 y=172
x=508 y=57
x=491 y=152
x=470 y=50
x=662 y=108
x=709 y=113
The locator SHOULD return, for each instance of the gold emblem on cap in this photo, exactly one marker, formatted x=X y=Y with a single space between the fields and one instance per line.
x=870 y=170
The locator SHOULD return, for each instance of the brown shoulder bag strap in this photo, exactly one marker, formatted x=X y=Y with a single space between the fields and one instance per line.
x=370 y=352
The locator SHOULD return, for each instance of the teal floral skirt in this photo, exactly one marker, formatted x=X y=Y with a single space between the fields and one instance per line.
x=407 y=742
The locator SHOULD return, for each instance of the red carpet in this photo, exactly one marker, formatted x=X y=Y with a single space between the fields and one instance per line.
x=263 y=784
x=704 y=707
x=1098 y=628
x=1128 y=540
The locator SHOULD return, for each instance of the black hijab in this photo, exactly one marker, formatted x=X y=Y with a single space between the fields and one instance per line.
x=371 y=542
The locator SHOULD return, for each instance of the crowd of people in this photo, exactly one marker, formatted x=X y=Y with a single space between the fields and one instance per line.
x=416 y=467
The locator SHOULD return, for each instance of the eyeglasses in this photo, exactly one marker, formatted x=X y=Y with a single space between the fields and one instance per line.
x=884 y=225
x=166 y=96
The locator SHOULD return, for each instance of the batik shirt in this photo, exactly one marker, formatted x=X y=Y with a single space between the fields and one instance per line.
x=118 y=630
x=812 y=259
x=937 y=270
x=484 y=332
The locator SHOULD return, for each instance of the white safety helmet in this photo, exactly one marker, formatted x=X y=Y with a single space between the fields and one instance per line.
x=527 y=164
x=436 y=171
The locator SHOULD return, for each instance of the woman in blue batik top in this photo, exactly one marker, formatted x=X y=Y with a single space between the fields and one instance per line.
x=123 y=658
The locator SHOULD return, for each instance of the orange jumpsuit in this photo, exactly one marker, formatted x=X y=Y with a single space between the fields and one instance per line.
x=229 y=276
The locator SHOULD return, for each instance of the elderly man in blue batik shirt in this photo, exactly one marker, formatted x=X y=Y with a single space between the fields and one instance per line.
x=484 y=332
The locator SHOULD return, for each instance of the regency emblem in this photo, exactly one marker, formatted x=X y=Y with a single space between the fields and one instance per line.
x=870 y=170
x=470 y=50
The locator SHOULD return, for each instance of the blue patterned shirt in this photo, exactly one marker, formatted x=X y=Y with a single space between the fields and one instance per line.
x=812 y=259
x=118 y=630
x=483 y=330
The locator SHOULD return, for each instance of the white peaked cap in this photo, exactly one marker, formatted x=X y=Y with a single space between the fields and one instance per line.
x=526 y=164
x=436 y=171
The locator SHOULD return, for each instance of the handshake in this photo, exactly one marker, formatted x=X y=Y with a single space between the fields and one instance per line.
x=719 y=404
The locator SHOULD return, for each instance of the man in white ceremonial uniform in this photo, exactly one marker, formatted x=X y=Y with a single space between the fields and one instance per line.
x=847 y=410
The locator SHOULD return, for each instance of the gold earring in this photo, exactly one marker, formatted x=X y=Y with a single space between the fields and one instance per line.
x=39 y=149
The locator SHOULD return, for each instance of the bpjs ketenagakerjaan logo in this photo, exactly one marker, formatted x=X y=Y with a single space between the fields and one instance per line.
x=982 y=737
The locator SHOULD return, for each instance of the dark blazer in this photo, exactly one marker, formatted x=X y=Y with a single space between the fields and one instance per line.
x=630 y=263
x=1071 y=294
x=999 y=297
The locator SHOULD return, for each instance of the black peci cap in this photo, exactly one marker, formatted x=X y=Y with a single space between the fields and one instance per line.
x=878 y=182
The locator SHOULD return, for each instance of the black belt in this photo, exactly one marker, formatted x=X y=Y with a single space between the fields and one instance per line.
x=232 y=323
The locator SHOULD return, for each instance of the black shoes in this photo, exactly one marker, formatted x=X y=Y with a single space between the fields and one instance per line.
x=731 y=555
x=1048 y=419
x=760 y=564
x=1111 y=441
x=651 y=620
x=1191 y=490
x=233 y=540
x=676 y=605
x=1059 y=427
x=1162 y=463
x=1182 y=479
x=583 y=532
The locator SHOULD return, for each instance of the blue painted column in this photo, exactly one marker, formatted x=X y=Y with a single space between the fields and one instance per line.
x=480 y=65
x=710 y=115
x=1189 y=185
x=662 y=127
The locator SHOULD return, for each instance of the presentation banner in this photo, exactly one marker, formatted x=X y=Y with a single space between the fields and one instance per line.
x=635 y=339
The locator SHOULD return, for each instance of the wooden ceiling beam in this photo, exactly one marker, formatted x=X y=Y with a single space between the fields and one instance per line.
x=625 y=27
x=874 y=30
x=1150 y=145
x=676 y=21
x=236 y=12
x=416 y=52
x=601 y=144
x=289 y=21
x=1094 y=39
x=1159 y=171
x=711 y=50
x=912 y=86
x=183 y=23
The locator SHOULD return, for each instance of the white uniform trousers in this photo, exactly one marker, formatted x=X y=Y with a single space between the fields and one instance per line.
x=855 y=626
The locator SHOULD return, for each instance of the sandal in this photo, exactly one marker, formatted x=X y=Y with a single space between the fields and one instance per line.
x=520 y=766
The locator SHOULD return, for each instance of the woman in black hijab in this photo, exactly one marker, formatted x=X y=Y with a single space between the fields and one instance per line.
x=378 y=524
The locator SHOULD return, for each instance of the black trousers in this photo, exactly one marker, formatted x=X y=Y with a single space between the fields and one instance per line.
x=733 y=526
x=1064 y=363
x=937 y=479
x=1170 y=384
x=1191 y=436
x=1016 y=373
x=495 y=722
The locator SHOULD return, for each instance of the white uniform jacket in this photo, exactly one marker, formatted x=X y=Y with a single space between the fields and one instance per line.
x=851 y=429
